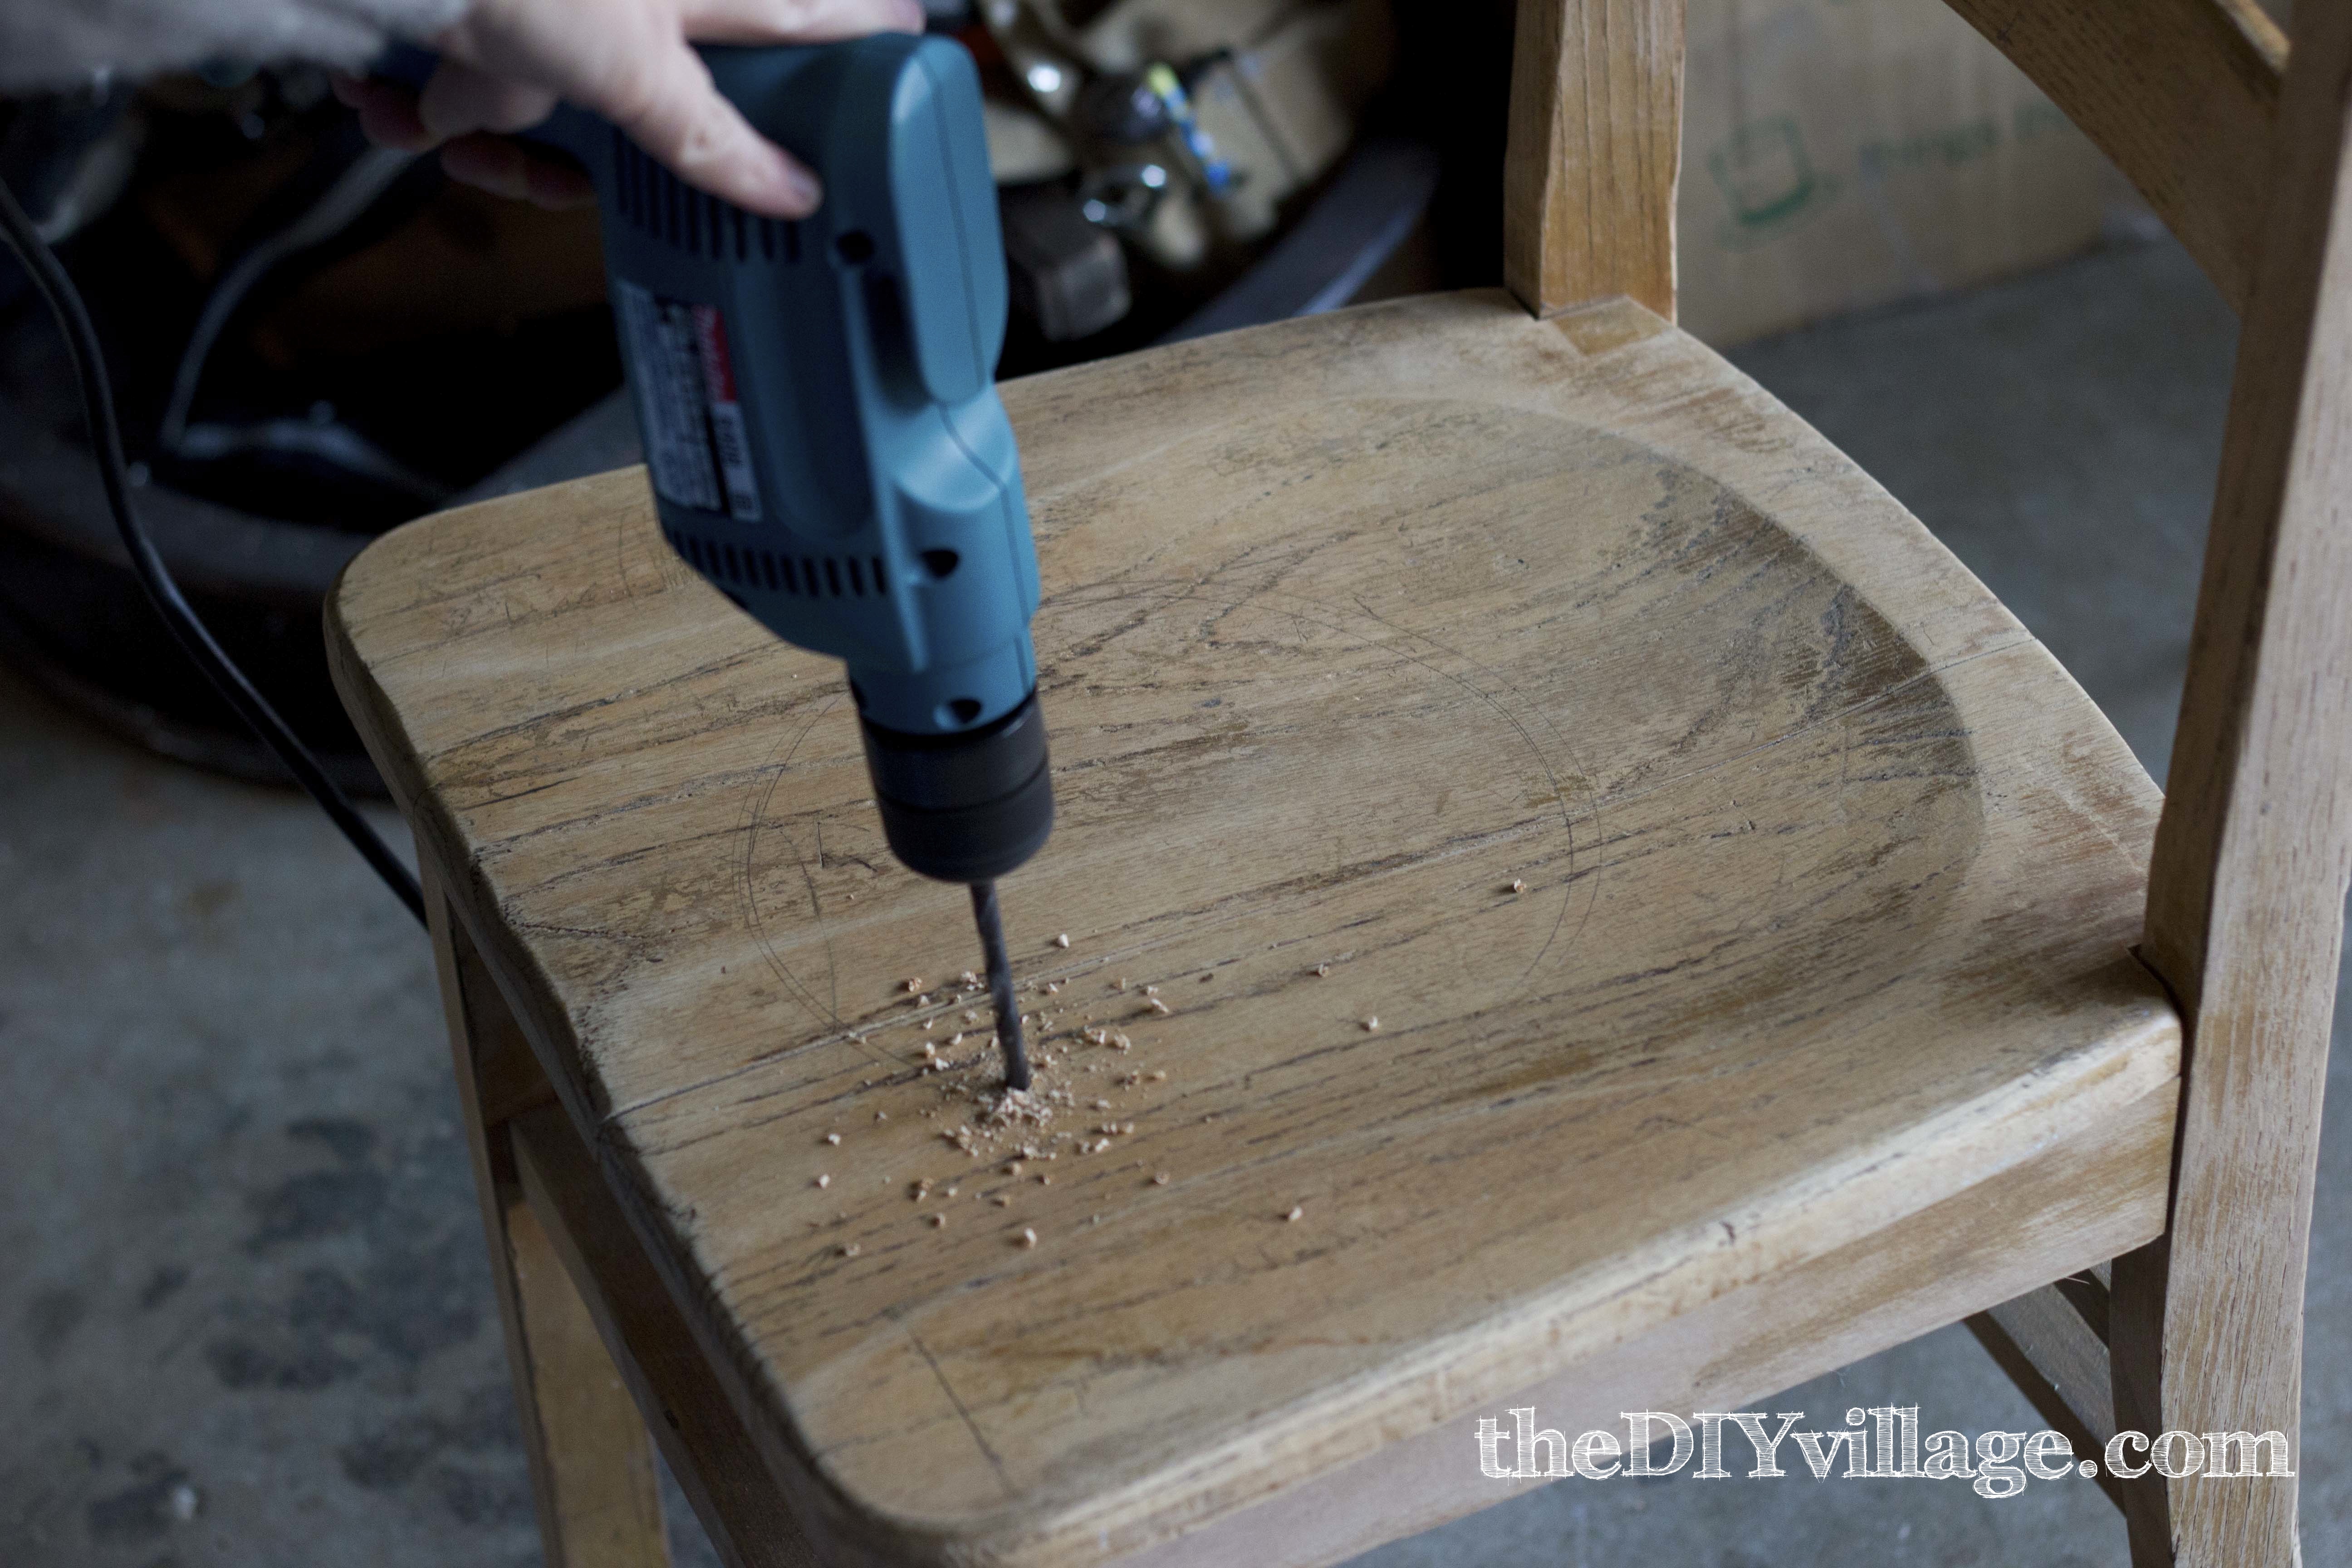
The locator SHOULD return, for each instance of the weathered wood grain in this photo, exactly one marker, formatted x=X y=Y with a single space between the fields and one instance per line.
x=2245 y=909
x=1737 y=1351
x=717 y=1465
x=1828 y=873
x=1593 y=155
x=591 y=1467
x=2182 y=94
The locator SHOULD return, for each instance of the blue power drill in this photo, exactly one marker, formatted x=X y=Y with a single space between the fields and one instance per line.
x=826 y=446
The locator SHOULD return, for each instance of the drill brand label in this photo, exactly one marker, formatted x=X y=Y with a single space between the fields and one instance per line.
x=696 y=440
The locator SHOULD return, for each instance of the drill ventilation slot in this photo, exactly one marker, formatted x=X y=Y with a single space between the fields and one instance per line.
x=654 y=202
x=809 y=576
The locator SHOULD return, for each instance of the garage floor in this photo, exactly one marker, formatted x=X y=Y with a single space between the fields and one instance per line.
x=245 y=1317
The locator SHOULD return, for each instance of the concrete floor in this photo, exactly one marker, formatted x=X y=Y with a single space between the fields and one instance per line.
x=245 y=1317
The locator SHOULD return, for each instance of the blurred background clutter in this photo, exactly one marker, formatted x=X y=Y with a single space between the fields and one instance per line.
x=246 y=1316
x=314 y=339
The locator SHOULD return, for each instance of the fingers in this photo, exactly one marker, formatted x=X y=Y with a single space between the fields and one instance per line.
x=669 y=107
x=797 y=21
x=388 y=112
x=506 y=168
x=631 y=62
x=460 y=100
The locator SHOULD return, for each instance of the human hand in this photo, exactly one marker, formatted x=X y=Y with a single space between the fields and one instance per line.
x=506 y=62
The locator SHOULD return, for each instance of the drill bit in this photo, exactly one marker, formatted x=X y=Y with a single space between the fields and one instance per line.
x=1000 y=984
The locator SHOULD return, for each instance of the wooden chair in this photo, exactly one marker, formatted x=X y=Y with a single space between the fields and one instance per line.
x=1774 y=954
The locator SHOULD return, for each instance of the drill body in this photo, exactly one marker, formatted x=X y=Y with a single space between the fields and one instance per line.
x=821 y=422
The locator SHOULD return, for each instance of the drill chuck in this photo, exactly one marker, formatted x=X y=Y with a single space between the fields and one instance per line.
x=967 y=807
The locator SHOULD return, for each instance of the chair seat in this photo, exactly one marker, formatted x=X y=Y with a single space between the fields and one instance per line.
x=1733 y=880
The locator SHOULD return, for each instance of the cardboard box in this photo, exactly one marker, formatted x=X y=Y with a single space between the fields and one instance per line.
x=1843 y=154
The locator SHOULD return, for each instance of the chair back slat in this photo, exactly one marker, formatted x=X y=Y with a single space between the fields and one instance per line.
x=1594 y=151
x=2182 y=94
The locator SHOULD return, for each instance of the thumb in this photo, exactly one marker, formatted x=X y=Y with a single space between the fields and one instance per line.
x=669 y=106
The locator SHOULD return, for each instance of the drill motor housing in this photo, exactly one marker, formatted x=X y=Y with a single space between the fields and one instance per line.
x=822 y=426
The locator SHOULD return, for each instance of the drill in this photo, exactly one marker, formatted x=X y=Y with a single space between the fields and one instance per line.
x=826 y=446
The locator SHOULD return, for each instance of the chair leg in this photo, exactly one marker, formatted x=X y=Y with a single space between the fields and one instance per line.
x=592 y=1462
x=2135 y=1363
x=2202 y=1520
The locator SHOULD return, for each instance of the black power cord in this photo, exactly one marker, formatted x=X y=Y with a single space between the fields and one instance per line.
x=50 y=280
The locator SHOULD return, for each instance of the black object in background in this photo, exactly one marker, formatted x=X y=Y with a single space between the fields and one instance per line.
x=57 y=290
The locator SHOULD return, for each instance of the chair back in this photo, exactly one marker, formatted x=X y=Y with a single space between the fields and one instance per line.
x=2237 y=140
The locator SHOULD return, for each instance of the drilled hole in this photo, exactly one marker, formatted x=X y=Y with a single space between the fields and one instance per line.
x=941 y=562
x=965 y=709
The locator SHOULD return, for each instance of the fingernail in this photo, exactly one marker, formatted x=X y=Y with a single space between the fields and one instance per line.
x=913 y=17
x=802 y=189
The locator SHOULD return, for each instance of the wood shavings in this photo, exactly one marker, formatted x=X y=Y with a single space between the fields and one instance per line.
x=938 y=1222
x=1044 y=1179
x=1028 y=1236
x=912 y=985
x=1063 y=940
x=951 y=1192
x=1119 y=984
x=1053 y=988
x=1159 y=1077
x=881 y=1116
x=824 y=1180
x=1018 y=1105
x=1296 y=1214
x=849 y=1249
x=1519 y=885
x=1160 y=1180
x=1161 y=1007
x=1002 y=1201
x=1320 y=971
x=1151 y=991
x=834 y=1139
x=1372 y=1025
